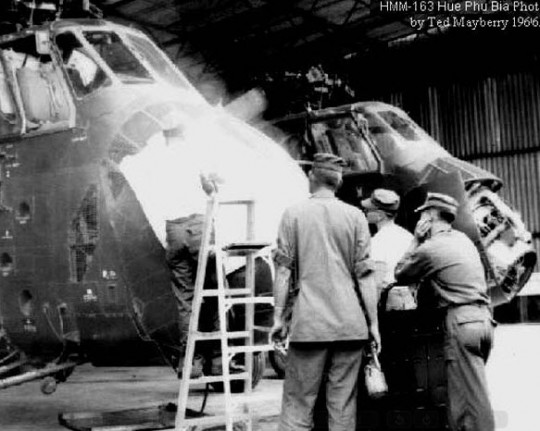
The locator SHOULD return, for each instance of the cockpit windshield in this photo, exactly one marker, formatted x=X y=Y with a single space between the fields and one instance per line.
x=85 y=75
x=157 y=61
x=401 y=125
x=118 y=57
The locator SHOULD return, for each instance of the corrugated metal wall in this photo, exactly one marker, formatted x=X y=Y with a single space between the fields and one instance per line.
x=476 y=119
x=493 y=122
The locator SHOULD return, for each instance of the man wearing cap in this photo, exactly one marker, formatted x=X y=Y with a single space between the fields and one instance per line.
x=447 y=264
x=323 y=245
x=391 y=241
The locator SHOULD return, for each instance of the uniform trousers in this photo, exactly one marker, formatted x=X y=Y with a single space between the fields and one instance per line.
x=468 y=342
x=184 y=237
x=306 y=365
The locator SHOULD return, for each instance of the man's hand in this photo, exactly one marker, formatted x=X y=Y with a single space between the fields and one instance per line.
x=422 y=229
x=278 y=333
x=375 y=337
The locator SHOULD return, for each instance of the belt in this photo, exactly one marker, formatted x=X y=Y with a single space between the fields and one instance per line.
x=474 y=303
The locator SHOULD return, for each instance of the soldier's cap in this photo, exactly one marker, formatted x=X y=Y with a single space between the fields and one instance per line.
x=440 y=201
x=329 y=162
x=382 y=199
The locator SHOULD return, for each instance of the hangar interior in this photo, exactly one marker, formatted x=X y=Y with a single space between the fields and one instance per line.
x=477 y=92
x=474 y=90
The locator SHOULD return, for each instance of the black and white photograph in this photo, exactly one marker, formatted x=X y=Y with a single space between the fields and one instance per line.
x=269 y=215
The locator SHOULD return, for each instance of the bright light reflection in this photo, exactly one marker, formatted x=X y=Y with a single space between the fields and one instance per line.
x=165 y=175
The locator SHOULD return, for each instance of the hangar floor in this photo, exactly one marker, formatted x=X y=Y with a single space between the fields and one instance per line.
x=513 y=373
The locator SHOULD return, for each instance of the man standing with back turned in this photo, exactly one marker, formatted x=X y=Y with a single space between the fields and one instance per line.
x=323 y=244
x=449 y=267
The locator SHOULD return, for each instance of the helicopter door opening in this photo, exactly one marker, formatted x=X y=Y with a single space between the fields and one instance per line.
x=38 y=84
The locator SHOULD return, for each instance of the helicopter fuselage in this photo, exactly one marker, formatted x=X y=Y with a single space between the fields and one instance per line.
x=82 y=238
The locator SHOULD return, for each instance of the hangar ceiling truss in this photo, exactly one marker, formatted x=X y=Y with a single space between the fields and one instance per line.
x=249 y=37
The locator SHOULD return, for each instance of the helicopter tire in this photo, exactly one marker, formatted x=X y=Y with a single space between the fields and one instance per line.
x=237 y=386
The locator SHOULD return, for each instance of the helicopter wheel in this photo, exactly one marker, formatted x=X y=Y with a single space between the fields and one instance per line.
x=237 y=386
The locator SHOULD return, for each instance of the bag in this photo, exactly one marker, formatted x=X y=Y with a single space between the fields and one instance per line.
x=400 y=298
x=374 y=377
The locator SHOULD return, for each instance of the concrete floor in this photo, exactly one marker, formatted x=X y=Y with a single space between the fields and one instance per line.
x=513 y=374
x=25 y=408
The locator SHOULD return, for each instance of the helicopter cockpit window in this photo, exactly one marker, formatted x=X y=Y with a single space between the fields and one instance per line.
x=118 y=57
x=157 y=61
x=38 y=84
x=400 y=124
x=84 y=73
x=346 y=136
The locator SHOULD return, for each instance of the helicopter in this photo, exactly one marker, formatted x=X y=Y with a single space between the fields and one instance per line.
x=86 y=188
x=383 y=146
x=87 y=185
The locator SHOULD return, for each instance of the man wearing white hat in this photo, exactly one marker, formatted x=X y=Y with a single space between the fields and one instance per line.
x=448 y=265
x=391 y=241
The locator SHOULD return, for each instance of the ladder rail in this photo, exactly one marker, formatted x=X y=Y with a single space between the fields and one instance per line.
x=226 y=298
x=249 y=312
x=183 y=393
x=225 y=370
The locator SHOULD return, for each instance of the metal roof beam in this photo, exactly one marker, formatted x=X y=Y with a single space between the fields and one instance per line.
x=116 y=4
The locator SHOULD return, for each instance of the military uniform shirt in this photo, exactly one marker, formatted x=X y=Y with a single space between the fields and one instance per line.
x=449 y=263
x=326 y=243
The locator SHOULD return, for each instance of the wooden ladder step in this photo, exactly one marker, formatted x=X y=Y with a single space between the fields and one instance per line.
x=240 y=249
x=218 y=378
x=229 y=292
x=250 y=300
x=246 y=245
x=237 y=202
x=216 y=335
x=244 y=248
x=234 y=350
x=215 y=420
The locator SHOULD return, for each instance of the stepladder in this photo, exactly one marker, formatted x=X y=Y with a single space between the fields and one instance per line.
x=235 y=345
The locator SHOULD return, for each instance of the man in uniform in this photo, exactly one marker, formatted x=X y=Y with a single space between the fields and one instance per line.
x=391 y=241
x=323 y=244
x=449 y=266
x=183 y=236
